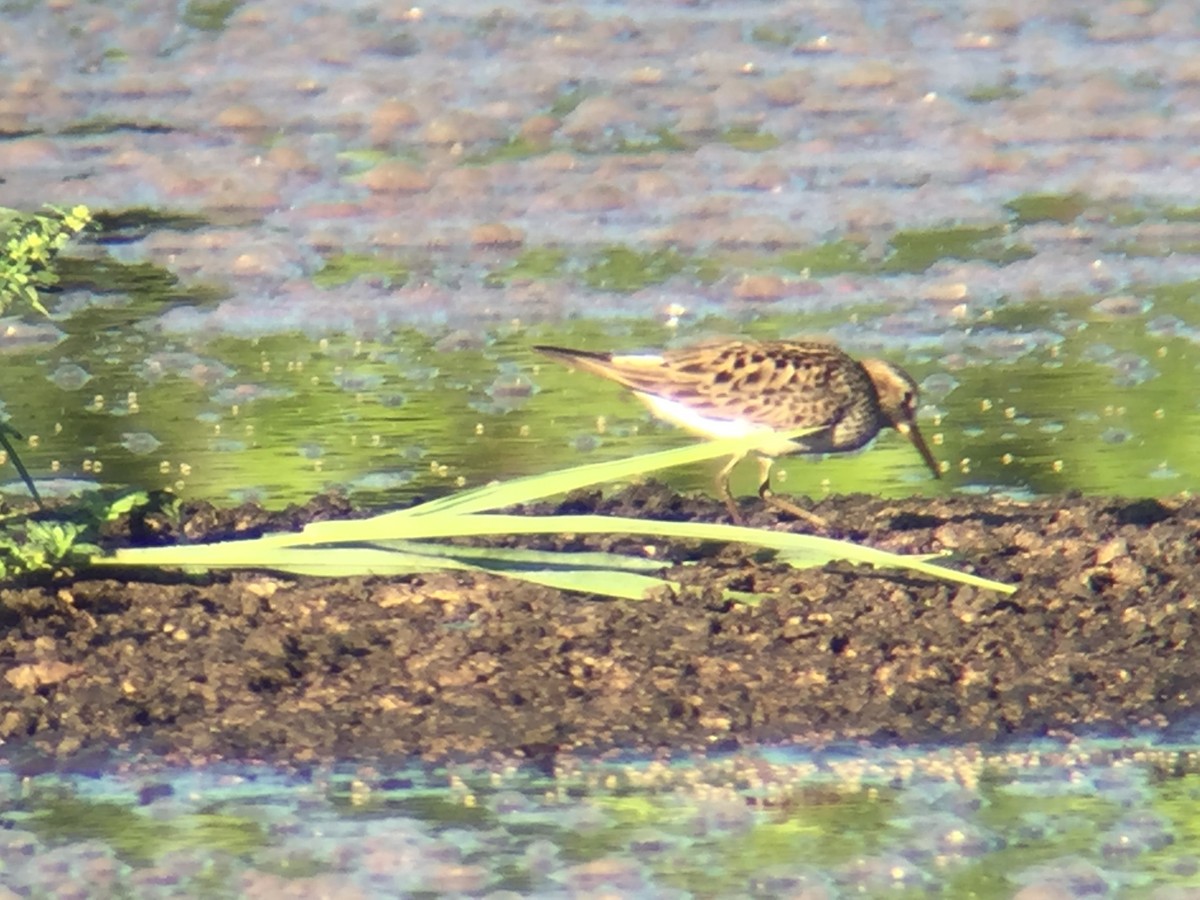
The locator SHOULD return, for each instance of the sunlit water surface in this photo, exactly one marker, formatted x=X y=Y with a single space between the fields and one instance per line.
x=1085 y=818
x=1054 y=398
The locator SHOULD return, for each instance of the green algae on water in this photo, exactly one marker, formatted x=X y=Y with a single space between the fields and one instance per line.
x=342 y=268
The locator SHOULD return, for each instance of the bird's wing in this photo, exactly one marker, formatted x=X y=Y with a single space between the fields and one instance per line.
x=782 y=386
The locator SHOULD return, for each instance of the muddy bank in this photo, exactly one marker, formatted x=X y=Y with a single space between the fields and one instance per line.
x=256 y=665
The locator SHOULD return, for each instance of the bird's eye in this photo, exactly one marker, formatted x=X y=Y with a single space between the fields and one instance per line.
x=909 y=400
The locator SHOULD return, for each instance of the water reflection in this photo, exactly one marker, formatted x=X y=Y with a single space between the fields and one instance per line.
x=1100 y=403
x=1078 y=818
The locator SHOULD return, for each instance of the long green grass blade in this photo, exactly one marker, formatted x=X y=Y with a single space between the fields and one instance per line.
x=819 y=550
x=536 y=487
x=261 y=552
x=343 y=562
x=517 y=557
x=324 y=562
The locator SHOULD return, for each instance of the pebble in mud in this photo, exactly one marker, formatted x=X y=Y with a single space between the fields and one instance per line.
x=396 y=178
x=496 y=234
x=391 y=121
x=596 y=196
x=597 y=119
x=248 y=122
x=458 y=127
x=761 y=288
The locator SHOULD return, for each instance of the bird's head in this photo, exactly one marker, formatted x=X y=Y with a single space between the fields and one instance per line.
x=898 y=399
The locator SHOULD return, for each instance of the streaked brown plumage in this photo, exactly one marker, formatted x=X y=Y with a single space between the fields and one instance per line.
x=740 y=387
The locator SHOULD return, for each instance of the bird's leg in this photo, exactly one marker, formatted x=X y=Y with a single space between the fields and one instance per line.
x=771 y=499
x=723 y=489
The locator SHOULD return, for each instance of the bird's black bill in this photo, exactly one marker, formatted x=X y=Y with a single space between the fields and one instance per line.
x=566 y=354
x=913 y=433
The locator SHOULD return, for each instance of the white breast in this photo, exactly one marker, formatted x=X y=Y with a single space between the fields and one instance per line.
x=689 y=418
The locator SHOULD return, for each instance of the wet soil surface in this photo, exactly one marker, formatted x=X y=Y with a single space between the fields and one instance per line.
x=256 y=665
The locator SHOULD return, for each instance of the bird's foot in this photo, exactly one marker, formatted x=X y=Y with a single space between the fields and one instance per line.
x=799 y=512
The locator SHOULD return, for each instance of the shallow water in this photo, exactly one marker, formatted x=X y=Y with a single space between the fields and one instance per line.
x=1090 y=818
x=1055 y=398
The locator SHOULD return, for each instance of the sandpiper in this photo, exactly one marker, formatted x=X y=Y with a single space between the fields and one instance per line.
x=736 y=388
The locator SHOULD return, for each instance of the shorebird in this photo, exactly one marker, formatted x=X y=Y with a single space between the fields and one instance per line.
x=737 y=388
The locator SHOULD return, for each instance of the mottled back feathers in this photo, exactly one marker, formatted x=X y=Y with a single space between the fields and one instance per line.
x=780 y=385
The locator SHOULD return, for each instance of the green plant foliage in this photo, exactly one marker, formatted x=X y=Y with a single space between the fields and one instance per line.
x=989 y=93
x=1061 y=208
x=566 y=102
x=30 y=244
x=916 y=251
x=135 y=222
x=536 y=264
x=42 y=547
x=621 y=269
x=110 y=125
x=50 y=546
x=398 y=543
x=150 y=284
x=359 y=160
x=822 y=260
x=774 y=35
x=750 y=139
x=663 y=140
x=209 y=15
x=137 y=837
x=515 y=148
x=1182 y=213
x=345 y=267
